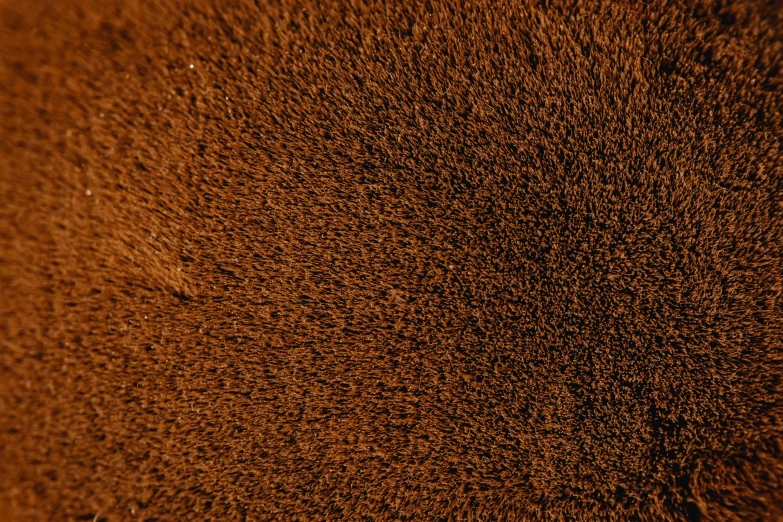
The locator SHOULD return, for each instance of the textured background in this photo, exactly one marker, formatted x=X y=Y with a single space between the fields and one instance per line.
x=337 y=260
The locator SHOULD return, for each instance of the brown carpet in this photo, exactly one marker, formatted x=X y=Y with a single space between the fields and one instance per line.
x=402 y=261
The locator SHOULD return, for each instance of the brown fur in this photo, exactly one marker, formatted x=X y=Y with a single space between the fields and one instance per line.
x=418 y=261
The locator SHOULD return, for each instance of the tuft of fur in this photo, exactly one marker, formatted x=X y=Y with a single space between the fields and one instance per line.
x=435 y=260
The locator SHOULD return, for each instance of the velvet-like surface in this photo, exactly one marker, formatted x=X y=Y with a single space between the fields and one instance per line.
x=403 y=261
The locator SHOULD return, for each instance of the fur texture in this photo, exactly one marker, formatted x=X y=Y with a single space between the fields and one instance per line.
x=401 y=261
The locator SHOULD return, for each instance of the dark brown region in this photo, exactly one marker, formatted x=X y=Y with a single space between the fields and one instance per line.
x=402 y=261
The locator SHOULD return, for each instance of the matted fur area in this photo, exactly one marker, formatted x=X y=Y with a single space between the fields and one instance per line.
x=403 y=261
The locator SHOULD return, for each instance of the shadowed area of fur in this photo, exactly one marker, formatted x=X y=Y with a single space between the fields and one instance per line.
x=406 y=261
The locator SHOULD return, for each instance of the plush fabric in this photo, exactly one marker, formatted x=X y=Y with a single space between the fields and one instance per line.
x=344 y=260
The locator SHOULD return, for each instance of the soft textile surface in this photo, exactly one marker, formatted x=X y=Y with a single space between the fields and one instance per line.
x=402 y=261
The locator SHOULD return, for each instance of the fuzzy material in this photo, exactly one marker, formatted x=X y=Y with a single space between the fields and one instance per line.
x=331 y=260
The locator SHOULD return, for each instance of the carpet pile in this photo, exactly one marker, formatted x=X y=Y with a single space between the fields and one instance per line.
x=299 y=260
